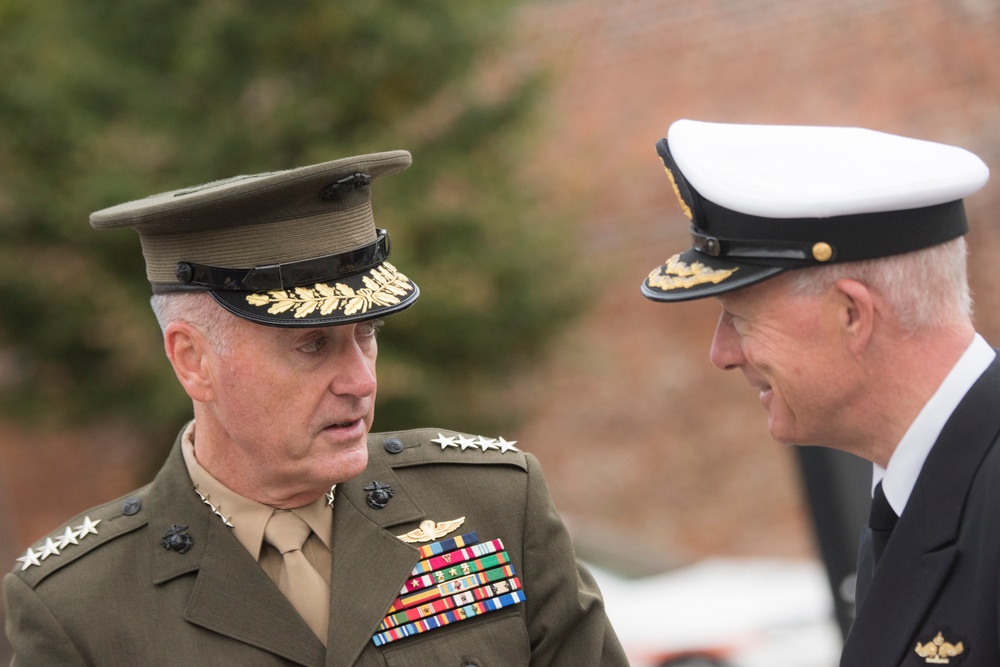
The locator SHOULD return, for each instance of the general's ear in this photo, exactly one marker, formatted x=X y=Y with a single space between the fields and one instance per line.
x=189 y=352
x=856 y=314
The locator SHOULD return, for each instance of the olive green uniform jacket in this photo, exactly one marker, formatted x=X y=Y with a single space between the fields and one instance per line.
x=120 y=597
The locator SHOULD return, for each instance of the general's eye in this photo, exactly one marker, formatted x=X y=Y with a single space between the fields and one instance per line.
x=314 y=345
x=369 y=329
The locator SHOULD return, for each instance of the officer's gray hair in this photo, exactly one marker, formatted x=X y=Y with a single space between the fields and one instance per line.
x=201 y=311
x=927 y=289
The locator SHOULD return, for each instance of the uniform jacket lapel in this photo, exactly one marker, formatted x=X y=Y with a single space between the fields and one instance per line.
x=370 y=564
x=231 y=596
x=923 y=549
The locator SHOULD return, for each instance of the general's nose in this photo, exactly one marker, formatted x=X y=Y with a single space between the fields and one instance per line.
x=355 y=373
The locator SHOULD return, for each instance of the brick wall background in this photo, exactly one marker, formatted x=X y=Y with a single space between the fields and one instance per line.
x=637 y=431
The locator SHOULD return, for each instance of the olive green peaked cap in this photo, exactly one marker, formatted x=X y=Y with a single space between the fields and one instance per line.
x=294 y=248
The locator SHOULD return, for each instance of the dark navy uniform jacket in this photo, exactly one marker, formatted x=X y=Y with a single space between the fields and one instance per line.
x=936 y=585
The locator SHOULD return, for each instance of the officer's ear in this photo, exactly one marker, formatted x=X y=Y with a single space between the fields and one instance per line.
x=856 y=313
x=189 y=352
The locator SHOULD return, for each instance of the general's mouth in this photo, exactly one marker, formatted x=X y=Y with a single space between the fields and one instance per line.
x=345 y=424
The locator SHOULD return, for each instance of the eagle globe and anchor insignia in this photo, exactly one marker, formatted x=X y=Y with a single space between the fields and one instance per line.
x=379 y=495
x=175 y=539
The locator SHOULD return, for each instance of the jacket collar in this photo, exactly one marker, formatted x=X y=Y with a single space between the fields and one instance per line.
x=233 y=597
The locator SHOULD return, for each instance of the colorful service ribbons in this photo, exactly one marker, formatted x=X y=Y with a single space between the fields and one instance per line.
x=456 y=579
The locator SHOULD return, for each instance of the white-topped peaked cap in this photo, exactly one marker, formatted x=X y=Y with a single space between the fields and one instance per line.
x=789 y=171
x=293 y=248
x=763 y=199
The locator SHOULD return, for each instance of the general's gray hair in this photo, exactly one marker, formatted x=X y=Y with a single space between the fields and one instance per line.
x=927 y=289
x=201 y=311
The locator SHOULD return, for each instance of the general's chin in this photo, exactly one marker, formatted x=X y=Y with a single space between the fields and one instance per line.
x=347 y=465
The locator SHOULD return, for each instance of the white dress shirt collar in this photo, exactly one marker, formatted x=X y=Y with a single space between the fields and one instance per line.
x=908 y=459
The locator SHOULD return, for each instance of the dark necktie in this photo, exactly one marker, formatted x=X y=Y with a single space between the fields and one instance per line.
x=873 y=540
x=881 y=520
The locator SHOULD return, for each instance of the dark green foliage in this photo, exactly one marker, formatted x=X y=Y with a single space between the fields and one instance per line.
x=106 y=101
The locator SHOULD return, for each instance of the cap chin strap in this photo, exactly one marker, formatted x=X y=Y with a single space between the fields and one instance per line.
x=754 y=249
x=194 y=276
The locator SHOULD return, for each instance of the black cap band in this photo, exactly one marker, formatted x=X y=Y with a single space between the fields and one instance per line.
x=792 y=242
x=195 y=276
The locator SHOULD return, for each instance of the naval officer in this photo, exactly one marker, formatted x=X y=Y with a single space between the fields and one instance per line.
x=838 y=258
x=279 y=531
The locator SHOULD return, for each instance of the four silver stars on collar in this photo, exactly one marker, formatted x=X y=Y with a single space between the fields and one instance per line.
x=53 y=547
x=479 y=442
x=217 y=511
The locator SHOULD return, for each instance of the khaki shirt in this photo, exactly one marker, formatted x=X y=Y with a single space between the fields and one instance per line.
x=249 y=517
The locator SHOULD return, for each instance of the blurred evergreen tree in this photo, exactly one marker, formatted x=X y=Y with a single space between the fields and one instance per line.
x=106 y=101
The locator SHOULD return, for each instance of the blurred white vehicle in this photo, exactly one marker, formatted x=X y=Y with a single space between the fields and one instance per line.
x=724 y=612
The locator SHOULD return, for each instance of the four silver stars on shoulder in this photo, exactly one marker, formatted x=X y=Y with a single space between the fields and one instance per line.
x=53 y=546
x=479 y=442
x=466 y=443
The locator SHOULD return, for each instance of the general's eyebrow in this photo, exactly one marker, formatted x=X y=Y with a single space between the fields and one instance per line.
x=299 y=336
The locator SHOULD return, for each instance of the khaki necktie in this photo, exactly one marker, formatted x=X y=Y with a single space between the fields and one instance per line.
x=298 y=580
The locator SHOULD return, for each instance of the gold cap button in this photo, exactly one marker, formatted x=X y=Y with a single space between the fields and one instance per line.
x=822 y=252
